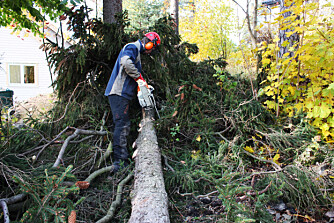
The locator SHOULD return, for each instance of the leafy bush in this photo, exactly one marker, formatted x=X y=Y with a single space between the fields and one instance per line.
x=301 y=80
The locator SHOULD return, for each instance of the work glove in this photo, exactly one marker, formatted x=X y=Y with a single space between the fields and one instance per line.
x=141 y=99
x=141 y=82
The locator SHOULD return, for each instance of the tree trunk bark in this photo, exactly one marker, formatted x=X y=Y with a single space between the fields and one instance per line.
x=175 y=14
x=110 y=9
x=149 y=197
x=293 y=39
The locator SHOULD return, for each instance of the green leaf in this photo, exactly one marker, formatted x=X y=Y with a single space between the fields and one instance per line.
x=316 y=111
x=330 y=121
x=325 y=110
x=331 y=86
x=327 y=92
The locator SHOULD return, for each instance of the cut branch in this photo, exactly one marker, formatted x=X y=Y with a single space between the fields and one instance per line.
x=117 y=202
x=5 y=211
x=49 y=143
x=11 y=200
x=105 y=156
x=14 y=199
x=98 y=172
x=76 y=133
x=253 y=193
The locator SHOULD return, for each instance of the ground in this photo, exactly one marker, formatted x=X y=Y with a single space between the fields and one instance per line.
x=34 y=107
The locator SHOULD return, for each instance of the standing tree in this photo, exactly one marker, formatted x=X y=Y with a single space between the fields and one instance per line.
x=110 y=9
x=175 y=14
x=300 y=74
x=288 y=42
x=284 y=34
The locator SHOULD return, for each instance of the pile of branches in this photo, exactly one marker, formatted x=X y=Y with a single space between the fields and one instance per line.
x=222 y=143
x=76 y=132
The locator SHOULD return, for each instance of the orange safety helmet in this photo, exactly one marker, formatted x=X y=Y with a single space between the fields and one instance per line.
x=154 y=40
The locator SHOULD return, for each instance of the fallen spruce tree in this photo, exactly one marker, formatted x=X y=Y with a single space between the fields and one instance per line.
x=149 y=197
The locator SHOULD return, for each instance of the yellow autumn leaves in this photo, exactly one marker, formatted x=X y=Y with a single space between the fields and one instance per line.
x=204 y=22
x=249 y=149
x=195 y=154
x=304 y=82
x=263 y=152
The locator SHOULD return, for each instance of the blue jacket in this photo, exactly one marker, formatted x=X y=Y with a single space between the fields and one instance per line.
x=126 y=69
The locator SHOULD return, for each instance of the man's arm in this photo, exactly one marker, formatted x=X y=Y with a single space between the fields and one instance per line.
x=129 y=67
x=127 y=61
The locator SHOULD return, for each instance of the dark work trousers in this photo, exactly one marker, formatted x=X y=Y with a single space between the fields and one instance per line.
x=120 y=111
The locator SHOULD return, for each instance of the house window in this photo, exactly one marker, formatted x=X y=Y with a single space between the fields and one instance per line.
x=22 y=74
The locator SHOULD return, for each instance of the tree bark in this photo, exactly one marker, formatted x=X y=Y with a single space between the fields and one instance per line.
x=4 y=206
x=175 y=14
x=149 y=197
x=110 y=9
x=293 y=39
x=255 y=21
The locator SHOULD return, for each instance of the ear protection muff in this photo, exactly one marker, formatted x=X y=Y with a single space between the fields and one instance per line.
x=151 y=44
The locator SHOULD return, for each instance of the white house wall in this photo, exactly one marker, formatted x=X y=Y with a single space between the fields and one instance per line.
x=23 y=50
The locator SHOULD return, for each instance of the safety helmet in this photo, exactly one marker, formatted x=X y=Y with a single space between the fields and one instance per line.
x=154 y=38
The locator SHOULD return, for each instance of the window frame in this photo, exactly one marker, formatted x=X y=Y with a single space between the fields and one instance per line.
x=22 y=66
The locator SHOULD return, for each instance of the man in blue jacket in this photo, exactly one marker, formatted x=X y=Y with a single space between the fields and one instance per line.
x=122 y=88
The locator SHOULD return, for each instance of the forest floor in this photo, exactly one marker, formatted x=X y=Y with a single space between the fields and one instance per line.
x=199 y=209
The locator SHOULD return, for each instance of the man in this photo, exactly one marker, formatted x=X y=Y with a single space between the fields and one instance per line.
x=122 y=88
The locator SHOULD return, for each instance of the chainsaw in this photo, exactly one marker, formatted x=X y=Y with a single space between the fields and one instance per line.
x=145 y=97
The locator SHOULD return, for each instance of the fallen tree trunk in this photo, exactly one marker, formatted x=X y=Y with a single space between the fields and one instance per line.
x=149 y=197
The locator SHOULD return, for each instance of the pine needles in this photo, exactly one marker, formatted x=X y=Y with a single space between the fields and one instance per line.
x=50 y=202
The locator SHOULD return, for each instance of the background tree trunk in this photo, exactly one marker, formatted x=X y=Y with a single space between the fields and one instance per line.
x=293 y=39
x=149 y=197
x=175 y=14
x=110 y=9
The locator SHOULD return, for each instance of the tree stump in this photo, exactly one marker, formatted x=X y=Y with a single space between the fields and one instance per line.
x=149 y=197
